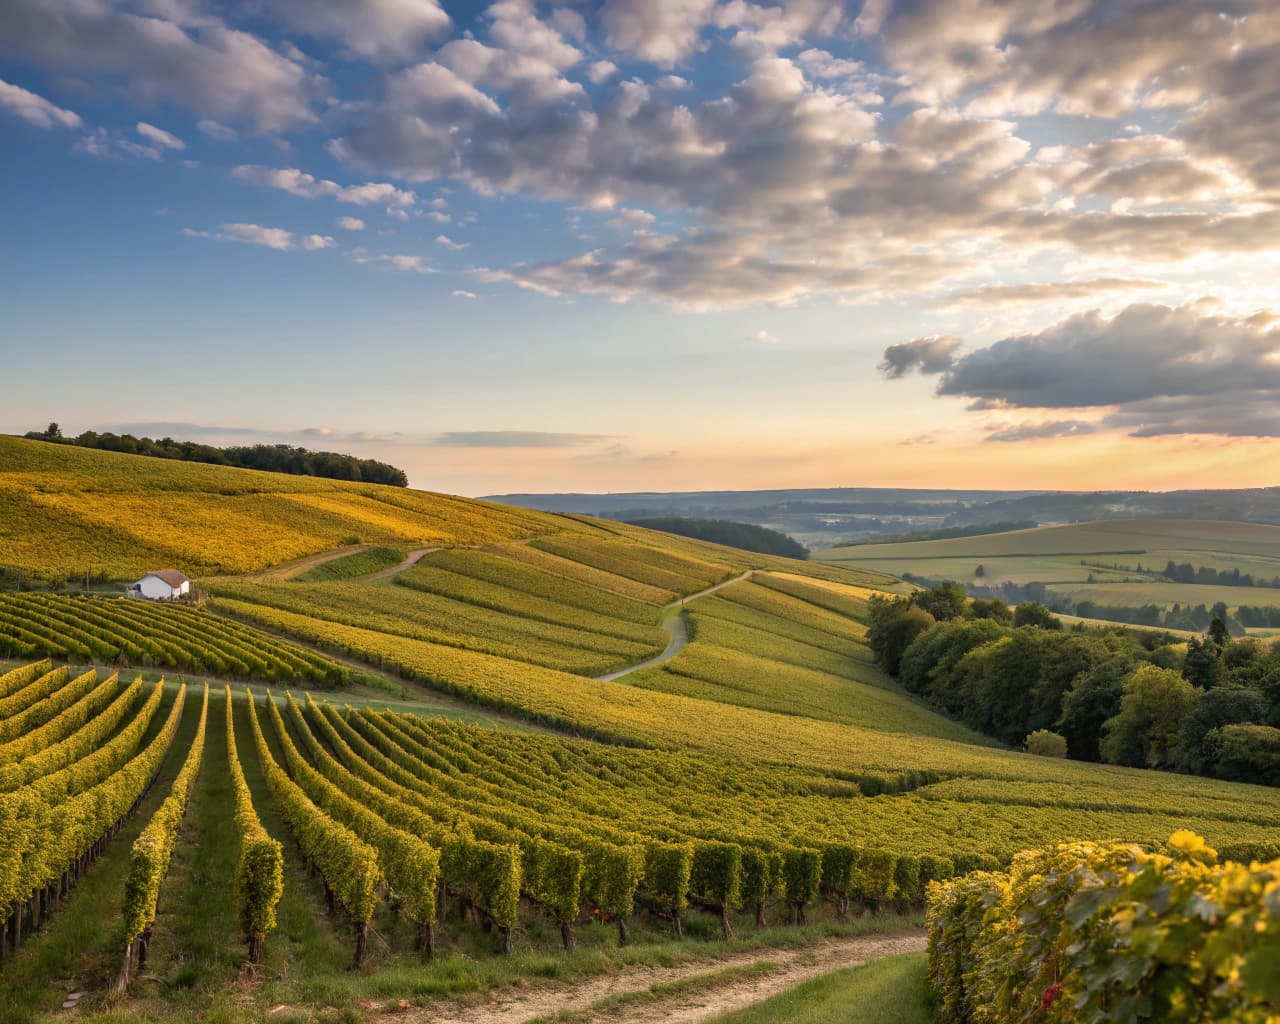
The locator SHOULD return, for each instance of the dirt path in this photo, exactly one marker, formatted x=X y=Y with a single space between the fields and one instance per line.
x=677 y=628
x=410 y=560
x=693 y=1003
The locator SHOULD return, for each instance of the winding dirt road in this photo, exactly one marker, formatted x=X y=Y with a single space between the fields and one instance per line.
x=677 y=627
x=410 y=560
x=790 y=967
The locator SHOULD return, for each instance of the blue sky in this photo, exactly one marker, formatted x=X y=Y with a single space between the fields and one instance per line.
x=654 y=244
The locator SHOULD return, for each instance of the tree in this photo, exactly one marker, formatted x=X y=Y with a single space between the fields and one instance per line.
x=1044 y=743
x=1093 y=698
x=991 y=608
x=1145 y=732
x=894 y=624
x=53 y=432
x=1202 y=667
x=980 y=572
x=945 y=601
x=1218 y=632
x=1246 y=753
x=1032 y=613
x=1224 y=705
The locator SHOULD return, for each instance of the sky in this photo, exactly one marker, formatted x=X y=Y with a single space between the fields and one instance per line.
x=611 y=245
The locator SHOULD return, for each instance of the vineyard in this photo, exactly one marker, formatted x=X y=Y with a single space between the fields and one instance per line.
x=189 y=849
x=146 y=634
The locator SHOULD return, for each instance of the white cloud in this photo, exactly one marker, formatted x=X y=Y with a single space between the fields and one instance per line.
x=217 y=131
x=601 y=71
x=35 y=109
x=459 y=293
x=254 y=234
x=378 y=29
x=449 y=243
x=351 y=223
x=299 y=183
x=763 y=337
x=318 y=242
x=158 y=137
x=661 y=31
x=387 y=261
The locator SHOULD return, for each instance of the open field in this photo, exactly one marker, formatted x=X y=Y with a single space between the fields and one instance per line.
x=769 y=771
x=1094 y=561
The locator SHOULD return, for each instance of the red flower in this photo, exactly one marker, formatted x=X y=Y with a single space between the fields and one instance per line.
x=1050 y=994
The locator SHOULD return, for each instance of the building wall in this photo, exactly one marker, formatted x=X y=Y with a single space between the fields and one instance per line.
x=155 y=588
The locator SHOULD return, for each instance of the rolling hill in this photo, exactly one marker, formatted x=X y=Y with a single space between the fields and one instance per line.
x=1111 y=563
x=717 y=745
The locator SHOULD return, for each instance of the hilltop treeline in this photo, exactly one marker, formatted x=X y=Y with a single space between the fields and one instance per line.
x=1211 y=707
x=953 y=532
x=1187 y=573
x=273 y=458
x=743 y=536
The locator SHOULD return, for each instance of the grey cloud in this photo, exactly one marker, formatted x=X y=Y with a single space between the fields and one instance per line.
x=1040 y=431
x=927 y=355
x=1159 y=369
x=518 y=439
x=211 y=69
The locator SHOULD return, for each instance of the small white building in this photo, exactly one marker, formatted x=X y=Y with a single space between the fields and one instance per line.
x=161 y=585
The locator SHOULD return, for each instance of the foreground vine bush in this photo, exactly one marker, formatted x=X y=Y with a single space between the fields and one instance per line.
x=1090 y=934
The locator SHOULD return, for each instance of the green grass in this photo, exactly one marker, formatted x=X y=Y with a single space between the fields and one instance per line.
x=358 y=563
x=1064 y=558
x=888 y=991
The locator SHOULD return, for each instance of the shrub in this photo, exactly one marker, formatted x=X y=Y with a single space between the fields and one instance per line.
x=1044 y=743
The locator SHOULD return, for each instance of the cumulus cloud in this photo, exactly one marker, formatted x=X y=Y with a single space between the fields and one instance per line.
x=299 y=183
x=314 y=242
x=661 y=31
x=35 y=109
x=449 y=243
x=763 y=337
x=601 y=71
x=379 y=29
x=926 y=355
x=201 y=63
x=351 y=223
x=1152 y=369
x=461 y=293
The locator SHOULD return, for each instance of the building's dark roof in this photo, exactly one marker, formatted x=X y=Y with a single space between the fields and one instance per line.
x=170 y=576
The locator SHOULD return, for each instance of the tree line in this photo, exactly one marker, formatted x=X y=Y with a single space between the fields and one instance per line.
x=1210 y=706
x=271 y=458
x=744 y=536
x=1187 y=573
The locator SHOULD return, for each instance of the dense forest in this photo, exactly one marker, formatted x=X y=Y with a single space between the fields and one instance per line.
x=743 y=536
x=1209 y=706
x=273 y=458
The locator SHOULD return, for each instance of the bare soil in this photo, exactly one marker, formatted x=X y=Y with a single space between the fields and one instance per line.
x=518 y=1005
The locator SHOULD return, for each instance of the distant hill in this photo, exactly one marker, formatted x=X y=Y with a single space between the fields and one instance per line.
x=1147 y=570
x=734 y=535
x=834 y=516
